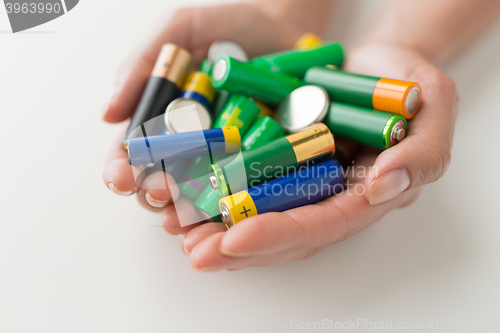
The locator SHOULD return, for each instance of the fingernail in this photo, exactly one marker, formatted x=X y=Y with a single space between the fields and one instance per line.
x=204 y=269
x=388 y=186
x=110 y=100
x=113 y=189
x=181 y=243
x=156 y=203
x=184 y=249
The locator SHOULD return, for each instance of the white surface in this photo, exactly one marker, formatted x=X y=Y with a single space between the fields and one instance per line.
x=76 y=258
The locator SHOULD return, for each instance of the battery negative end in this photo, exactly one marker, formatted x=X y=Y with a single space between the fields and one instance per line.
x=226 y=216
x=219 y=70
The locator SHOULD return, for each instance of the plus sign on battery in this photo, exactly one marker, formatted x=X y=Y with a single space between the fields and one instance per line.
x=245 y=211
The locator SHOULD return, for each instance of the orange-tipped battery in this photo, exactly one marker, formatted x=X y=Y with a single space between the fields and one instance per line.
x=395 y=96
x=387 y=95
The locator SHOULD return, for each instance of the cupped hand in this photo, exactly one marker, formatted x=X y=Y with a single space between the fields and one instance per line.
x=195 y=29
x=380 y=181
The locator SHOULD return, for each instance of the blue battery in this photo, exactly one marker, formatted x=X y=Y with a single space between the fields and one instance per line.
x=172 y=147
x=305 y=186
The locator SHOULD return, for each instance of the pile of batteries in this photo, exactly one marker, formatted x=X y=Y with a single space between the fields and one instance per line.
x=244 y=137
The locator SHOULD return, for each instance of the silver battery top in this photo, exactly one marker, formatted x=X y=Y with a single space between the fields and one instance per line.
x=304 y=107
x=226 y=47
x=186 y=115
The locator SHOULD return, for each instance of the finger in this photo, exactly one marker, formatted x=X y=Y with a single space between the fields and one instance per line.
x=311 y=226
x=118 y=175
x=160 y=189
x=181 y=244
x=141 y=197
x=182 y=211
x=425 y=154
x=196 y=235
x=206 y=257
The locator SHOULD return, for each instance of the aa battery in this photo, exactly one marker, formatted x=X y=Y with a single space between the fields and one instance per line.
x=152 y=149
x=263 y=130
x=297 y=62
x=239 y=111
x=199 y=88
x=271 y=160
x=247 y=79
x=163 y=87
x=388 y=95
x=366 y=126
x=208 y=203
x=307 y=41
x=302 y=187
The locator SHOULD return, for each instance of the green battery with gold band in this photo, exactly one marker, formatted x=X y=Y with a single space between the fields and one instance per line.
x=297 y=62
x=239 y=111
x=264 y=130
x=387 y=95
x=278 y=157
x=247 y=79
x=366 y=126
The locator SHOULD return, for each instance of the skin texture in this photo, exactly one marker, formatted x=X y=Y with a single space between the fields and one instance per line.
x=276 y=238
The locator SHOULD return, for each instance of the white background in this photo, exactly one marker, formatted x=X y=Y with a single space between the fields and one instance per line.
x=76 y=258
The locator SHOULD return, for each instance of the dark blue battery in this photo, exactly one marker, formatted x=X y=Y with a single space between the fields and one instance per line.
x=305 y=186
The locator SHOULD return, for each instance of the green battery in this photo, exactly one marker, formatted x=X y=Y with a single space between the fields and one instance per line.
x=297 y=62
x=387 y=95
x=205 y=66
x=247 y=79
x=208 y=203
x=366 y=126
x=274 y=159
x=239 y=111
x=263 y=130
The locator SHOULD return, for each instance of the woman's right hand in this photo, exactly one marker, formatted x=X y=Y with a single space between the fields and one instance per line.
x=195 y=29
